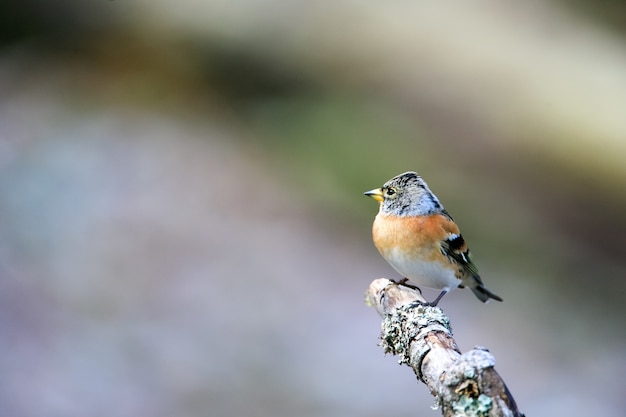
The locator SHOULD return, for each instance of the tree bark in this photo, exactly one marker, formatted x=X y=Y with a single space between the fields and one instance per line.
x=463 y=384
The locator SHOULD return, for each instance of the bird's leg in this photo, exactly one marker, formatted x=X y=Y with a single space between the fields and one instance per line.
x=404 y=282
x=439 y=297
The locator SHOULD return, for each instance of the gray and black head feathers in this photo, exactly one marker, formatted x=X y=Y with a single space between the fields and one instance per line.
x=408 y=195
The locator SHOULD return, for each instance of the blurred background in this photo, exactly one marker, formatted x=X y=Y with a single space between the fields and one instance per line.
x=182 y=225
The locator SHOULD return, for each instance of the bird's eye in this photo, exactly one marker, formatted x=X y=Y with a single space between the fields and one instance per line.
x=390 y=192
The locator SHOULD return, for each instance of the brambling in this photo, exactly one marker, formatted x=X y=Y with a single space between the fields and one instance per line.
x=419 y=239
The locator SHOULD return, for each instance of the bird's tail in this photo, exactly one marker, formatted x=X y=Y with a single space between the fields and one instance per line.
x=483 y=293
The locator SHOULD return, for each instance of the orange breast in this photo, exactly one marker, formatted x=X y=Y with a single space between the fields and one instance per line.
x=415 y=236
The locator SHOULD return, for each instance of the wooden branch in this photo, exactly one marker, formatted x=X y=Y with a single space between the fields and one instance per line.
x=462 y=384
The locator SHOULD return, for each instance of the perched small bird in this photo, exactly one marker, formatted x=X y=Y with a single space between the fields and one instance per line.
x=419 y=239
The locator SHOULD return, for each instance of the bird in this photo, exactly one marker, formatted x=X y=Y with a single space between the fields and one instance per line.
x=415 y=234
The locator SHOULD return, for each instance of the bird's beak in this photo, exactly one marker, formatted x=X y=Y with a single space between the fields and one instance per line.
x=376 y=194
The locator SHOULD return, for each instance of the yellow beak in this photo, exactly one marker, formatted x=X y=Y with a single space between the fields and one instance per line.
x=376 y=194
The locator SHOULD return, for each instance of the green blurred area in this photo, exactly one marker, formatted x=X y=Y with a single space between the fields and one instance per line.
x=178 y=178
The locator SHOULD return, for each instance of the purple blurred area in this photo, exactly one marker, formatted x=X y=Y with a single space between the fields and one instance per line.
x=183 y=230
